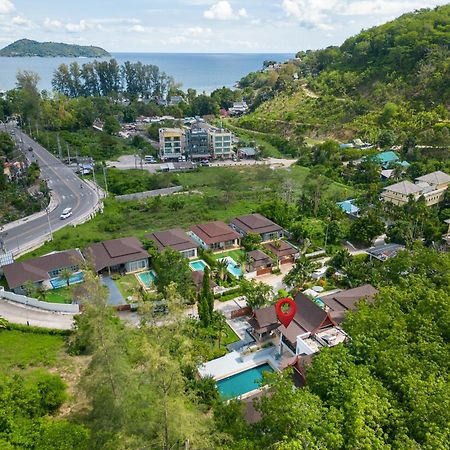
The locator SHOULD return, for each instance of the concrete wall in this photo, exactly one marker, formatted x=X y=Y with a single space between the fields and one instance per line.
x=28 y=301
x=146 y=194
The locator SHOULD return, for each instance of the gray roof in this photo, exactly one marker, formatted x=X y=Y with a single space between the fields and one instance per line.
x=247 y=151
x=385 y=251
x=437 y=177
x=404 y=187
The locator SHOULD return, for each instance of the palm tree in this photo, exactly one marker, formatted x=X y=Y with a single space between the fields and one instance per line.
x=219 y=325
x=221 y=269
x=300 y=273
x=66 y=275
x=243 y=262
x=41 y=293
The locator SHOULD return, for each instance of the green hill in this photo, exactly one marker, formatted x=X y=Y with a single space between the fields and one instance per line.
x=387 y=81
x=26 y=47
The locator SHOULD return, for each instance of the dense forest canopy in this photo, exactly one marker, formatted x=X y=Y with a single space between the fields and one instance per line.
x=391 y=77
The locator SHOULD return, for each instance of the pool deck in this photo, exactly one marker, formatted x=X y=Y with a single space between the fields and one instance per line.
x=236 y=362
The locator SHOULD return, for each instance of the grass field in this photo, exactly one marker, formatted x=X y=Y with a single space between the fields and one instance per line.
x=235 y=254
x=213 y=193
x=19 y=350
x=128 y=285
x=229 y=336
x=61 y=295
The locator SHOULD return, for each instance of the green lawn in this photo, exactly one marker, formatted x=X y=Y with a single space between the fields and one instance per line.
x=61 y=295
x=229 y=336
x=19 y=350
x=128 y=285
x=235 y=254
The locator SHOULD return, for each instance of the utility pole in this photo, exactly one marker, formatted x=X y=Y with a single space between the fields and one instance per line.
x=49 y=224
x=37 y=129
x=29 y=127
x=104 y=177
x=68 y=152
x=59 y=147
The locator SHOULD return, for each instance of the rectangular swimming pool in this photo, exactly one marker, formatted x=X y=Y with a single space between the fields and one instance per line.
x=243 y=382
x=232 y=266
x=199 y=264
x=147 y=278
x=75 y=278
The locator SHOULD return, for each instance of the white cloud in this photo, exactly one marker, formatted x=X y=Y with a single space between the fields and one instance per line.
x=321 y=14
x=82 y=25
x=138 y=29
x=199 y=31
x=50 y=24
x=6 y=7
x=222 y=10
x=22 y=22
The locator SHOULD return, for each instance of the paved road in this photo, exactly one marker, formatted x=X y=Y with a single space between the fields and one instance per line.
x=16 y=313
x=67 y=191
x=133 y=162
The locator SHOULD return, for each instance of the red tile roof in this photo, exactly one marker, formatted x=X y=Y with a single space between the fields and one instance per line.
x=176 y=238
x=255 y=223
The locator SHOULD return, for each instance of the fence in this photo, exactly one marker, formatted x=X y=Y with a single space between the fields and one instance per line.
x=146 y=194
x=28 y=301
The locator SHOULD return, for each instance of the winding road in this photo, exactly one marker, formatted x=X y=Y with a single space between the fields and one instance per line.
x=68 y=190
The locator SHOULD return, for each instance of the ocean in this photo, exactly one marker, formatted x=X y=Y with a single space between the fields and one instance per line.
x=200 y=71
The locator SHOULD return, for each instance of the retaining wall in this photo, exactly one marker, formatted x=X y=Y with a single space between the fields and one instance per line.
x=29 y=301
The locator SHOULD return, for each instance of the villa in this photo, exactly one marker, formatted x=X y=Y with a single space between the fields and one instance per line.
x=284 y=251
x=431 y=187
x=215 y=236
x=257 y=224
x=259 y=262
x=176 y=239
x=44 y=271
x=118 y=255
x=338 y=303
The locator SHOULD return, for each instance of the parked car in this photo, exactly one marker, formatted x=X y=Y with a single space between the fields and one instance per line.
x=30 y=148
x=67 y=212
x=149 y=159
x=204 y=162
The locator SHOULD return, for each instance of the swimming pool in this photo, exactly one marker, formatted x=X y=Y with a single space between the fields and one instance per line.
x=198 y=265
x=59 y=283
x=147 y=278
x=232 y=266
x=242 y=382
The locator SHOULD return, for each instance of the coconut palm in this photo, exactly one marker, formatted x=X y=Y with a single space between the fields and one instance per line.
x=243 y=262
x=300 y=273
x=66 y=275
x=219 y=324
x=221 y=269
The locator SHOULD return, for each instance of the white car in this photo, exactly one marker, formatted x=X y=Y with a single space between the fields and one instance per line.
x=66 y=213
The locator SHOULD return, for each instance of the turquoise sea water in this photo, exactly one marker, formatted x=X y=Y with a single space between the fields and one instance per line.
x=242 y=382
x=201 y=71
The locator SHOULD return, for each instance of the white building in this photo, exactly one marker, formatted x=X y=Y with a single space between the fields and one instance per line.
x=171 y=143
x=220 y=143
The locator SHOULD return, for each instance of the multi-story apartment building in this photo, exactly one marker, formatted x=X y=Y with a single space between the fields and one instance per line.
x=197 y=145
x=171 y=144
x=220 y=143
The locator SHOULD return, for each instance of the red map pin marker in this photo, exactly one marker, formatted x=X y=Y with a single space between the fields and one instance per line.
x=286 y=316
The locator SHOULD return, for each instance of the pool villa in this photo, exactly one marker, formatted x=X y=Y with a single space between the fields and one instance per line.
x=146 y=279
x=198 y=264
x=232 y=266
x=238 y=374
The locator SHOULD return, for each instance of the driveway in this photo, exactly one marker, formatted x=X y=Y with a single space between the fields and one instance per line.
x=16 y=313
x=115 y=298
x=275 y=281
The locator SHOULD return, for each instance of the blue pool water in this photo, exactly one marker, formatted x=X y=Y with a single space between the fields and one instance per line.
x=232 y=266
x=319 y=302
x=198 y=265
x=75 y=278
x=147 y=278
x=242 y=382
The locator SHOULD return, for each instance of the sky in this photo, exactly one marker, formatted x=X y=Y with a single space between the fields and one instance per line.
x=194 y=26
